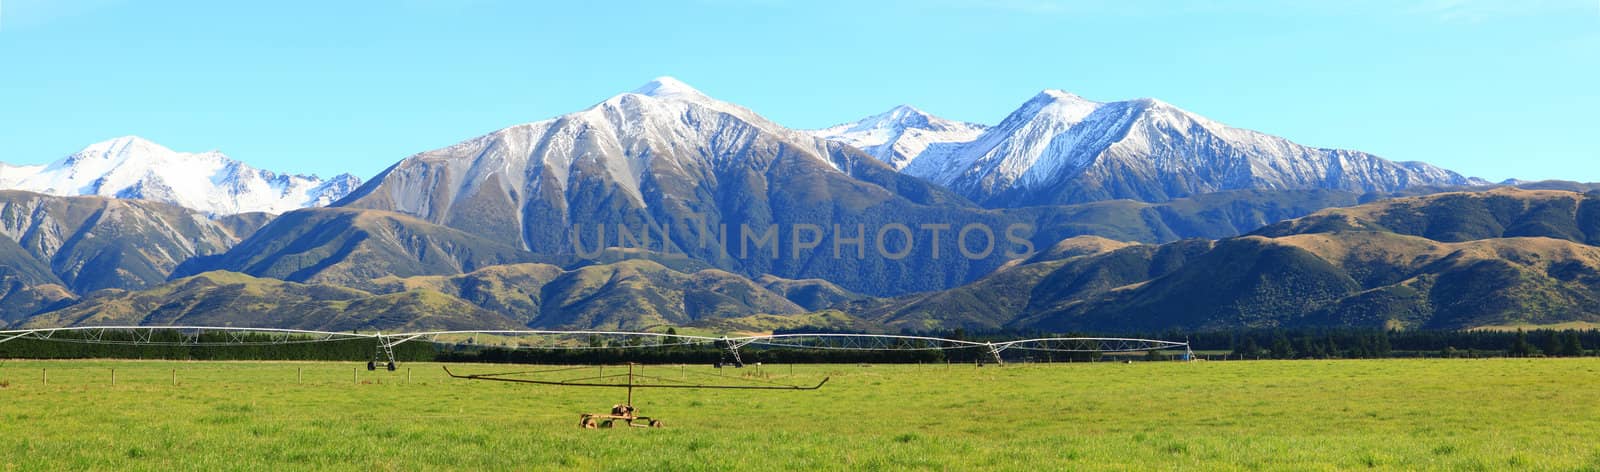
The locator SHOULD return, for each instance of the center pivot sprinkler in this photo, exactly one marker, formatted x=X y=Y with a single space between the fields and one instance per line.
x=626 y=412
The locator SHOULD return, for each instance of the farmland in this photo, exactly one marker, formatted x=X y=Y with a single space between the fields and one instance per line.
x=1478 y=414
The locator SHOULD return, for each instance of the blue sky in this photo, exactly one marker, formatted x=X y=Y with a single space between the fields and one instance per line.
x=1495 y=89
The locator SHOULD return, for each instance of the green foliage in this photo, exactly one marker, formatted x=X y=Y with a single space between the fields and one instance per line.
x=1571 y=345
x=247 y=346
x=1521 y=347
x=1366 y=343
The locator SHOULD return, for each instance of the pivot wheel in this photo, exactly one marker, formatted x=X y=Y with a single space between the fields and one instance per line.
x=587 y=422
x=605 y=424
x=656 y=424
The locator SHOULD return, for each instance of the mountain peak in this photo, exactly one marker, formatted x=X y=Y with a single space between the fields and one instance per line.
x=904 y=110
x=1058 y=95
x=121 y=144
x=667 y=87
x=900 y=116
x=128 y=139
x=1052 y=106
x=906 y=116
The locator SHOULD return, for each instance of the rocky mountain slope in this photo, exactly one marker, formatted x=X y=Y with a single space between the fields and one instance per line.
x=91 y=243
x=26 y=285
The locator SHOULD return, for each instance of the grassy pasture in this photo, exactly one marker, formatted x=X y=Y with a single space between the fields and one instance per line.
x=1496 y=414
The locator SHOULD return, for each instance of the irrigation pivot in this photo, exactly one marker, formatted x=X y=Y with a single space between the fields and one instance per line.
x=730 y=348
x=626 y=412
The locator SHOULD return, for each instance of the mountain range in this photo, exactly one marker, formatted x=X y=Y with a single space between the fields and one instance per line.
x=664 y=206
x=131 y=167
x=1059 y=148
x=667 y=156
x=668 y=160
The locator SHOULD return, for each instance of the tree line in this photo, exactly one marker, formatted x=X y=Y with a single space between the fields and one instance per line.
x=1355 y=343
x=1298 y=343
x=206 y=347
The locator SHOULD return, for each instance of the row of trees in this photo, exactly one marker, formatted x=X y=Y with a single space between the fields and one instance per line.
x=1310 y=343
x=1358 y=343
x=208 y=346
x=1345 y=343
x=1562 y=344
x=683 y=355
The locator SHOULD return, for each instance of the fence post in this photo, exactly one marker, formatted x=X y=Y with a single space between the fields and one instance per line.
x=174 y=377
x=354 y=377
x=44 y=376
x=299 y=375
x=113 y=377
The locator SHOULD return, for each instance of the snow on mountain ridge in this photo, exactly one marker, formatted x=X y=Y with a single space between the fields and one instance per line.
x=664 y=126
x=666 y=86
x=211 y=182
x=896 y=137
x=1059 y=147
x=11 y=176
x=1012 y=146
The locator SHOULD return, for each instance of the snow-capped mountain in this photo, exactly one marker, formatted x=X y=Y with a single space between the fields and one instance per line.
x=132 y=167
x=668 y=156
x=1061 y=148
x=665 y=135
x=899 y=135
x=11 y=176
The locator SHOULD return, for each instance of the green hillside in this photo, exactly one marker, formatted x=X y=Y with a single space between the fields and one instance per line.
x=1503 y=257
x=631 y=294
x=1464 y=216
x=350 y=248
x=232 y=299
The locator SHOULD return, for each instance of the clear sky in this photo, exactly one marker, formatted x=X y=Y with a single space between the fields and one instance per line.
x=1491 y=88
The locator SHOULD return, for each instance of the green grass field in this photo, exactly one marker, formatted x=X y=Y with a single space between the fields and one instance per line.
x=1541 y=414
